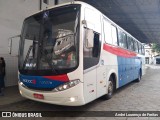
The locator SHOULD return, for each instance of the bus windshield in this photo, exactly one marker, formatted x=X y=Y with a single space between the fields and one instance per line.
x=49 y=41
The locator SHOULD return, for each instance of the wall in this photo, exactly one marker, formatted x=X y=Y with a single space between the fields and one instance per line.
x=12 y=14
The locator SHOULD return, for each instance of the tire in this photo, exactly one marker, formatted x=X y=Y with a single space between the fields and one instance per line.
x=139 y=77
x=111 y=88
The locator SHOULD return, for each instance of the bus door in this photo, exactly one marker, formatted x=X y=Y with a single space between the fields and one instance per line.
x=93 y=75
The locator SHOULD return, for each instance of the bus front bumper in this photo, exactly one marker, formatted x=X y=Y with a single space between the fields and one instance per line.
x=69 y=97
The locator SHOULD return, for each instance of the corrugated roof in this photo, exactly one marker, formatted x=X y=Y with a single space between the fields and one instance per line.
x=141 y=18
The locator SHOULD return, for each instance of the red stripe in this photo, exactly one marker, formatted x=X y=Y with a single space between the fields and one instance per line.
x=118 y=51
x=63 y=78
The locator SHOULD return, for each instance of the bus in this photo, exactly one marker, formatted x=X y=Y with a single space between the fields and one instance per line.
x=72 y=54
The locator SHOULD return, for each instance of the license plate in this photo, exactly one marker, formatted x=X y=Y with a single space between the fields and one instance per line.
x=38 y=96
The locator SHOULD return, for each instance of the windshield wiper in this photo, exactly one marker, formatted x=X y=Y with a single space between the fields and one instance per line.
x=27 y=56
x=48 y=61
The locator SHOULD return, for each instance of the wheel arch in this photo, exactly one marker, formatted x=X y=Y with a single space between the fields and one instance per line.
x=114 y=76
x=112 y=73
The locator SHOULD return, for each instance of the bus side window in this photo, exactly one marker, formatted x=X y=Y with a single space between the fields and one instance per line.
x=92 y=55
x=114 y=35
x=135 y=46
x=129 y=43
x=125 y=41
x=107 y=32
x=122 y=37
x=140 y=48
x=132 y=42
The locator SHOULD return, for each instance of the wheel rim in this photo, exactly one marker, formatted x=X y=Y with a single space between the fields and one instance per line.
x=110 y=88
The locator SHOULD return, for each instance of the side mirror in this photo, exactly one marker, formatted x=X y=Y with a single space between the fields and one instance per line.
x=10 y=43
x=89 y=38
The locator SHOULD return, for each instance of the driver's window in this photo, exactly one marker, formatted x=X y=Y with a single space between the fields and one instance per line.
x=91 y=55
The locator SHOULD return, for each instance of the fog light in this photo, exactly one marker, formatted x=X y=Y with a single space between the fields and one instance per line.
x=72 y=99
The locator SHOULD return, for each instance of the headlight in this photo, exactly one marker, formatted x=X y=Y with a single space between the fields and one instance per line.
x=66 y=85
x=21 y=83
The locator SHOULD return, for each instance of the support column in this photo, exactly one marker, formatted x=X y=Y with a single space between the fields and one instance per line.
x=40 y=4
x=55 y=2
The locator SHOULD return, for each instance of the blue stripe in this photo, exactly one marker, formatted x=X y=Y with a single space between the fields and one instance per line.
x=39 y=82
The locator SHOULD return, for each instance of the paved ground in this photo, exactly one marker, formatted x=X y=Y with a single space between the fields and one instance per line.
x=143 y=96
x=11 y=95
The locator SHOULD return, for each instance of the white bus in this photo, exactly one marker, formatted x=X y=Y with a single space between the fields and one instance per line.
x=72 y=54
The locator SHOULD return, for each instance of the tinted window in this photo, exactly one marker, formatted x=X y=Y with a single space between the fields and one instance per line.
x=43 y=46
x=122 y=39
x=130 y=43
x=91 y=55
x=136 y=46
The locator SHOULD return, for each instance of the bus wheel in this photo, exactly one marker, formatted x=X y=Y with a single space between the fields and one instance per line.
x=139 y=77
x=110 y=89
